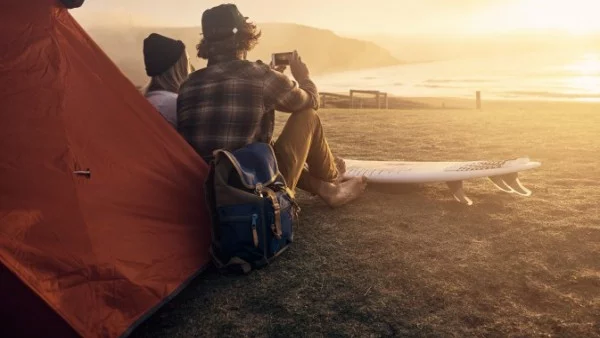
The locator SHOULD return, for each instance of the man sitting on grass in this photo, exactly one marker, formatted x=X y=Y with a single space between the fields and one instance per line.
x=231 y=103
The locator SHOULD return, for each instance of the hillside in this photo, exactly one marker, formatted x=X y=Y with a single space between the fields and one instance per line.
x=322 y=50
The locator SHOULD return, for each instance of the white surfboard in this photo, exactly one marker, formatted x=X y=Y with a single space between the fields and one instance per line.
x=504 y=174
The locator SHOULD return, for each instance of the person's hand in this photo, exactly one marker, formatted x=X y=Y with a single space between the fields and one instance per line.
x=280 y=68
x=298 y=68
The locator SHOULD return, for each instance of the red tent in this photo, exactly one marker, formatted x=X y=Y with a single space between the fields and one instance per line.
x=102 y=215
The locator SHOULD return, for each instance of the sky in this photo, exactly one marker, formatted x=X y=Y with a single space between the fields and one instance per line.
x=389 y=17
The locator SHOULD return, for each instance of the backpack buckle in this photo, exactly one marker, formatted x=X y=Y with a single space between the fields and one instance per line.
x=259 y=190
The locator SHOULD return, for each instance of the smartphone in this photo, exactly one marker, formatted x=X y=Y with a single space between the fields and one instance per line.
x=282 y=59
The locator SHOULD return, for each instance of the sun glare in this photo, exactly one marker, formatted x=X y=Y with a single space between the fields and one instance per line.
x=585 y=75
x=588 y=84
x=573 y=16
x=589 y=65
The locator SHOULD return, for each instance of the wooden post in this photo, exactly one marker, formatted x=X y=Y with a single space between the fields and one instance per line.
x=478 y=98
x=323 y=99
x=378 y=96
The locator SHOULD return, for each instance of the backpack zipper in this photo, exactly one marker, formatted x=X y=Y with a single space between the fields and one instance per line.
x=254 y=231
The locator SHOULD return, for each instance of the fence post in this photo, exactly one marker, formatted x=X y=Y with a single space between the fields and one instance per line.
x=478 y=99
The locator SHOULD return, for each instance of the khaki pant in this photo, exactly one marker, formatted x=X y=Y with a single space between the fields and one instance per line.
x=302 y=141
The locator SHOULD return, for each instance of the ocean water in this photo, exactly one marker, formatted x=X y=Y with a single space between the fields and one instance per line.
x=526 y=76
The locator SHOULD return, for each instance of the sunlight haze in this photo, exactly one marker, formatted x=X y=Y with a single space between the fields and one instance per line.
x=394 y=17
x=511 y=49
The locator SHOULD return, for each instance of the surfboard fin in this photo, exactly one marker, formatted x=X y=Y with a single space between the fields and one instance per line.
x=512 y=180
x=510 y=183
x=500 y=184
x=456 y=187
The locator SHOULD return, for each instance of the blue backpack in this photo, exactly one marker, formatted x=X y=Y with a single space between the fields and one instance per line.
x=253 y=212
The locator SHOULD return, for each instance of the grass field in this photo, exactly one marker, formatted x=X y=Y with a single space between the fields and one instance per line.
x=416 y=263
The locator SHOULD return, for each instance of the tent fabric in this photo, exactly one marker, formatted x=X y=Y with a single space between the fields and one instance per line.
x=87 y=253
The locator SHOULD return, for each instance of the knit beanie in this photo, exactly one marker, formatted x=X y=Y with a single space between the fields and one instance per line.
x=161 y=53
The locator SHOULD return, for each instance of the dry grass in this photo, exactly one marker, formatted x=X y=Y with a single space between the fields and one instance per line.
x=416 y=263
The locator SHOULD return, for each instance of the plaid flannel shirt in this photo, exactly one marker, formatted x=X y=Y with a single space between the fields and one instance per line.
x=231 y=104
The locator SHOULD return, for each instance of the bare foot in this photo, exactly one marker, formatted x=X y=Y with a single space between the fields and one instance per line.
x=338 y=194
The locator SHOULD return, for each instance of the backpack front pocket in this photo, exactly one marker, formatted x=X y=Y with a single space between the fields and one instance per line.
x=240 y=231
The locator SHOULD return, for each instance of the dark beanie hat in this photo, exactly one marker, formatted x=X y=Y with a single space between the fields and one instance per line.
x=161 y=53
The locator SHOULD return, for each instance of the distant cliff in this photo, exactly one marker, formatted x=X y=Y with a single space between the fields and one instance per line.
x=322 y=50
